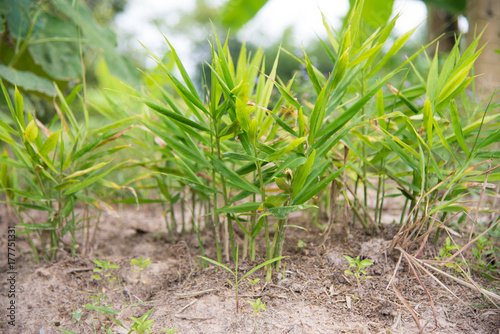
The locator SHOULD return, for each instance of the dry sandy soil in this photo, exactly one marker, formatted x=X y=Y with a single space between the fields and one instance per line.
x=312 y=294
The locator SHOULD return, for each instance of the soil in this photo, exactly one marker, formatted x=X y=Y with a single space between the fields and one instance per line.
x=310 y=295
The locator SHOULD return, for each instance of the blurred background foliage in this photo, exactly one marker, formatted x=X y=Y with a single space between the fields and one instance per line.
x=73 y=42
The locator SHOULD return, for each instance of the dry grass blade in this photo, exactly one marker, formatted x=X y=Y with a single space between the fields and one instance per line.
x=417 y=275
x=413 y=314
x=421 y=264
x=395 y=271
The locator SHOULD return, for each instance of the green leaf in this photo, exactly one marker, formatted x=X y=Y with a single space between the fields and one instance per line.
x=27 y=80
x=375 y=13
x=302 y=173
x=243 y=115
x=314 y=188
x=236 y=13
x=276 y=200
x=428 y=117
x=398 y=44
x=245 y=207
x=233 y=177
x=50 y=143
x=89 y=181
x=350 y=259
x=261 y=265
x=276 y=155
x=19 y=107
x=347 y=115
x=457 y=127
x=283 y=184
x=193 y=184
x=31 y=131
x=492 y=138
x=85 y=171
x=433 y=77
x=176 y=116
x=100 y=308
x=365 y=263
x=99 y=36
x=282 y=212
x=218 y=264
x=60 y=59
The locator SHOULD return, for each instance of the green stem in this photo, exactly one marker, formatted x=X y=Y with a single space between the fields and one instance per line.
x=269 y=268
x=197 y=229
x=26 y=41
x=216 y=213
x=226 y=203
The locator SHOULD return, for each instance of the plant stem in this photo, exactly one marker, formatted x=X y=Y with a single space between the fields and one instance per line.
x=197 y=228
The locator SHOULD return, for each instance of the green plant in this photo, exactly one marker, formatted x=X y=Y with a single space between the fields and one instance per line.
x=77 y=315
x=52 y=169
x=485 y=255
x=447 y=249
x=237 y=280
x=170 y=330
x=140 y=265
x=142 y=325
x=104 y=269
x=253 y=282
x=358 y=265
x=257 y=306
x=104 y=311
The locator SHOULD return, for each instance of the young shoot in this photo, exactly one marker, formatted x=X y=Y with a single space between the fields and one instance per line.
x=358 y=265
x=257 y=306
x=237 y=280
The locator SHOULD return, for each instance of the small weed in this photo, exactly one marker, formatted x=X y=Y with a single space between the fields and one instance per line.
x=104 y=268
x=140 y=265
x=142 y=325
x=301 y=244
x=170 y=330
x=77 y=315
x=103 y=311
x=446 y=252
x=253 y=282
x=485 y=256
x=359 y=266
x=257 y=306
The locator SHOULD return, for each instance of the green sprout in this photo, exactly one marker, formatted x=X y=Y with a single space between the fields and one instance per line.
x=142 y=325
x=140 y=264
x=257 y=306
x=253 y=282
x=237 y=280
x=359 y=266
x=104 y=268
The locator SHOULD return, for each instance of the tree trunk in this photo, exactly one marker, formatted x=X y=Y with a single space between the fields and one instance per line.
x=441 y=22
x=481 y=14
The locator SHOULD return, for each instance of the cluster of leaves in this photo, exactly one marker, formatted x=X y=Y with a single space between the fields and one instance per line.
x=249 y=152
x=359 y=268
x=53 y=168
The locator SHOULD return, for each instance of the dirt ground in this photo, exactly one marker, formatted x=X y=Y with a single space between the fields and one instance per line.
x=311 y=295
